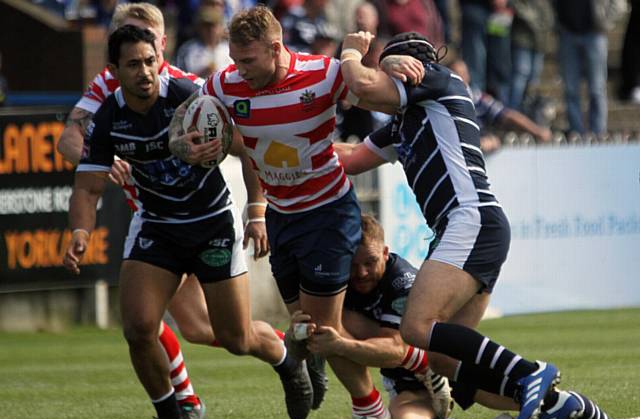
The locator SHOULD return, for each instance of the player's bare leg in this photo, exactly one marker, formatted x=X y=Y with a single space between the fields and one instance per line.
x=141 y=319
x=188 y=308
x=230 y=315
x=327 y=311
x=446 y=288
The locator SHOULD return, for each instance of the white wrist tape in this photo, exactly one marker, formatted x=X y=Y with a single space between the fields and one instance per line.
x=350 y=54
x=300 y=331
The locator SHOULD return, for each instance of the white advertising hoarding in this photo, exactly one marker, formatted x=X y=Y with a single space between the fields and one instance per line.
x=575 y=220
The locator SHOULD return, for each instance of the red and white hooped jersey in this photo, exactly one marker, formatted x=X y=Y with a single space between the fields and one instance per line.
x=288 y=130
x=104 y=84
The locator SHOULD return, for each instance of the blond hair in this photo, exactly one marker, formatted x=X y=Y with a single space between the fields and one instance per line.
x=372 y=231
x=145 y=12
x=255 y=24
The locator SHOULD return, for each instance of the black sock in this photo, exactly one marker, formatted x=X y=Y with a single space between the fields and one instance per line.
x=550 y=400
x=168 y=408
x=490 y=381
x=288 y=366
x=471 y=347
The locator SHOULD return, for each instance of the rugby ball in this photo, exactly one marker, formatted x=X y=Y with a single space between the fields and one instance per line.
x=208 y=115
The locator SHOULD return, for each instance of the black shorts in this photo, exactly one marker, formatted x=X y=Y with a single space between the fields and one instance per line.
x=474 y=239
x=311 y=251
x=211 y=248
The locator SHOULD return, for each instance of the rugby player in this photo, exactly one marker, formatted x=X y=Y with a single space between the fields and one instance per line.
x=284 y=105
x=378 y=288
x=188 y=306
x=434 y=134
x=185 y=222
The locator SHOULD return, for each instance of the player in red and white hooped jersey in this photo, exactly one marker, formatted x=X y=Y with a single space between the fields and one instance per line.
x=284 y=108
x=288 y=130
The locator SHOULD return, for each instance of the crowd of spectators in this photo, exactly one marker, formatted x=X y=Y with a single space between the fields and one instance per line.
x=502 y=42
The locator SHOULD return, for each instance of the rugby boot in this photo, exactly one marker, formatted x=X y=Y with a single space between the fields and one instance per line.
x=533 y=389
x=192 y=411
x=319 y=381
x=298 y=391
x=440 y=392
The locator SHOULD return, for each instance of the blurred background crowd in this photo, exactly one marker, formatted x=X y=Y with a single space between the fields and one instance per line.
x=539 y=67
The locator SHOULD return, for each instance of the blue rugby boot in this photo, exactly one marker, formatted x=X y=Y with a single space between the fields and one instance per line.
x=568 y=406
x=534 y=387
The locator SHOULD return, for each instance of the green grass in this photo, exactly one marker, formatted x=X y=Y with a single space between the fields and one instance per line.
x=85 y=373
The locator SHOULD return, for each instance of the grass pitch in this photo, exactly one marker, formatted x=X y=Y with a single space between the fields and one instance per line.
x=85 y=373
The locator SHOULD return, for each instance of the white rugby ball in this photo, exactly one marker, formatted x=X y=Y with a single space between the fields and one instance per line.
x=208 y=115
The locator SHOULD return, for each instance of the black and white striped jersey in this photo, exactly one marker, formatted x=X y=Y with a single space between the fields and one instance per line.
x=165 y=188
x=436 y=138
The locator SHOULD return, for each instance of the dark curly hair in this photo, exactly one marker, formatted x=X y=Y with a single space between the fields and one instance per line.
x=413 y=44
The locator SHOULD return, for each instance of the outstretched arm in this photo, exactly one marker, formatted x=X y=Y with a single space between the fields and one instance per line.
x=384 y=350
x=512 y=119
x=357 y=158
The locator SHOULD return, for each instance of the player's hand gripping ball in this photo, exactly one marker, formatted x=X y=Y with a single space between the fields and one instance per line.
x=208 y=115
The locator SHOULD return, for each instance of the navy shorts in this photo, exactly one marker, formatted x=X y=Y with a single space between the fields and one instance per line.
x=311 y=251
x=474 y=239
x=211 y=248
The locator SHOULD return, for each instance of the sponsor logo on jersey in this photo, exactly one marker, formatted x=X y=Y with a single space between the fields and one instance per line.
x=242 y=108
x=281 y=155
x=168 y=112
x=216 y=257
x=404 y=281
x=399 y=304
x=126 y=148
x=154 y=145
x=121 y=125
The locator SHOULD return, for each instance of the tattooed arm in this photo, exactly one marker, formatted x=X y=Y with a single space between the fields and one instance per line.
x=186 y=146
x=72 y=138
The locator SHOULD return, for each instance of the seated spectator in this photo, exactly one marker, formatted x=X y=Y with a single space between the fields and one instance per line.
x=491 y=113
x=303 y=24
x=208 y=51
